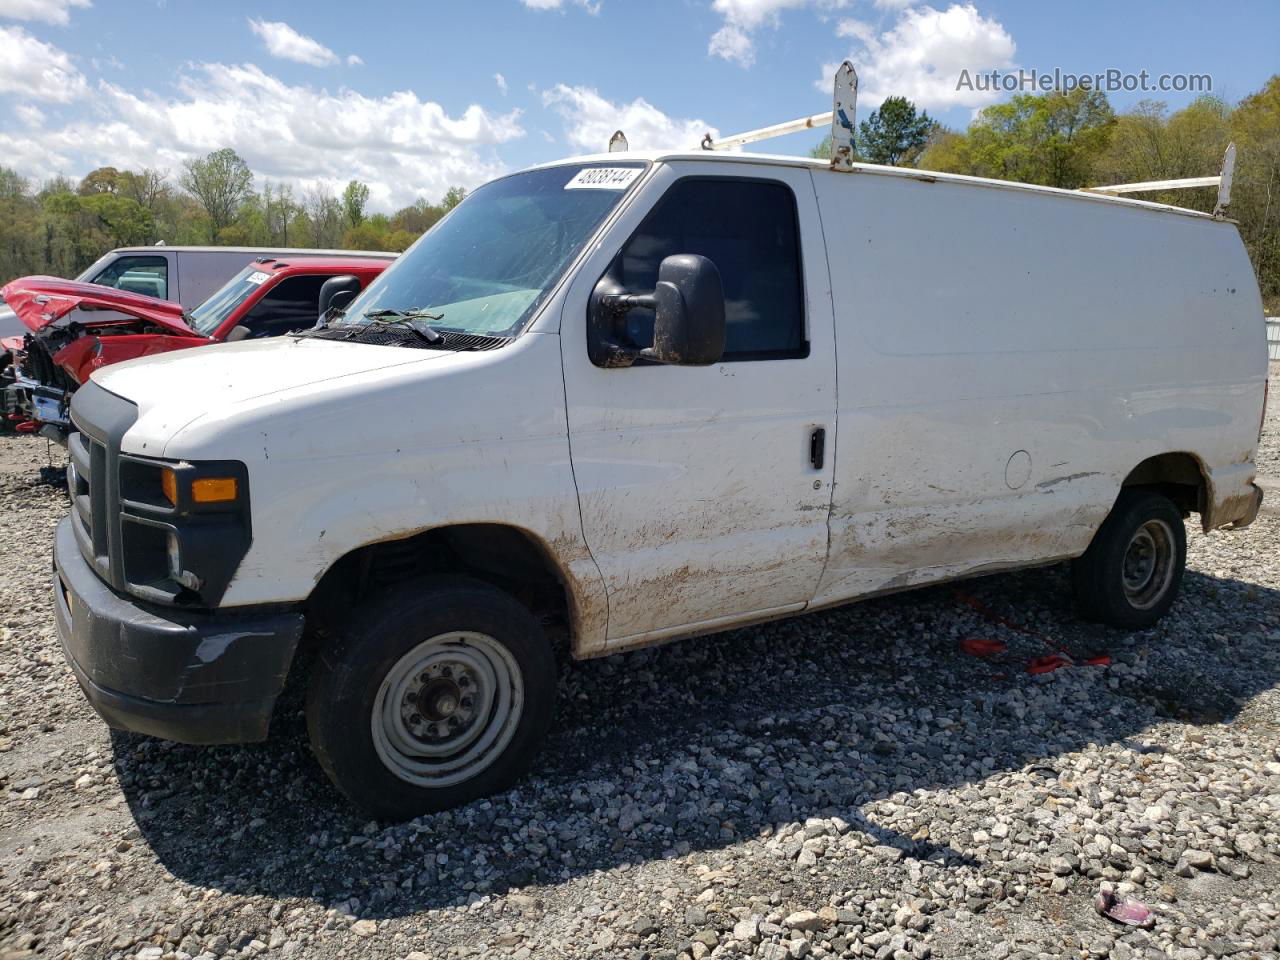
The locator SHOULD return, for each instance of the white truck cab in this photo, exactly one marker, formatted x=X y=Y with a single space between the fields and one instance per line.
x=640 y=396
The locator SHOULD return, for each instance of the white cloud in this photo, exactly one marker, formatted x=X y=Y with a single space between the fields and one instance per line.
x=30 y=115
x=46 y=11
x=34 y=69
x=501 y=81
x=922 y=55
x=402 y=146
x=591 y=6
x=734 y=40
x=32 y=157
x=354 y=60
x=590 y=120
x=288 y=44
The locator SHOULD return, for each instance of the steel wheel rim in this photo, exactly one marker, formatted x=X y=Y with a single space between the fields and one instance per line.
x=447 y=709
x=1148 y=565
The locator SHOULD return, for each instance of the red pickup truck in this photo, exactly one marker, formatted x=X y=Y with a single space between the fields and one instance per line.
x=78 y=327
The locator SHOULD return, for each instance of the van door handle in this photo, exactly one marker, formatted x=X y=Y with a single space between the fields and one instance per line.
x=817 y=447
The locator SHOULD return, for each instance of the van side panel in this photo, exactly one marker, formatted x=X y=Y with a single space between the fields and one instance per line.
x=1004 y=360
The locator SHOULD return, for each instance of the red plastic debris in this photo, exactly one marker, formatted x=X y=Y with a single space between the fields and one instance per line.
x=27 y=426
x=1047 y=664
x=1132 y=913
x=983 y=646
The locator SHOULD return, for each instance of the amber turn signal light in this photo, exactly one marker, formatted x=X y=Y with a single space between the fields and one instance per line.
x=214 y=490
x=169 y=484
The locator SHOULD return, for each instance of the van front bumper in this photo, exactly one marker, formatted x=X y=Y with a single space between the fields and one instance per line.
x=180 y=675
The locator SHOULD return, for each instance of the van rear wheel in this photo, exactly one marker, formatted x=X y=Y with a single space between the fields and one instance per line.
x=437 y=693
x=1129 y=576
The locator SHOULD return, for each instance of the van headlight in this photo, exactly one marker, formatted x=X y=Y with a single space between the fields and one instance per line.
x=185 y=527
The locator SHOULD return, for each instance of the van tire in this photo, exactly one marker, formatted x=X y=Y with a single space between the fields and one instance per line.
x=487 y=669
x=1130 y=575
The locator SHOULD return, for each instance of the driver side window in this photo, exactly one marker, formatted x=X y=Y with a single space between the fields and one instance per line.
x=292 y=304
x=749 y=229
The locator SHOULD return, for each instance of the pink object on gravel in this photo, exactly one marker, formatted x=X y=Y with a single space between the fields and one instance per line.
x=1132 y=913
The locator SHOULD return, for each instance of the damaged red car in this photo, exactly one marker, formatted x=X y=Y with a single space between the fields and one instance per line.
x=78 y=327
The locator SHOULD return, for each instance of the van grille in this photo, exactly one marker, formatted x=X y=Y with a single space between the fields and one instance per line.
x=99 y=421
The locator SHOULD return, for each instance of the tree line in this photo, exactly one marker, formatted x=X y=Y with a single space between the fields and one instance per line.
x=61 y=226
x=1076 y=139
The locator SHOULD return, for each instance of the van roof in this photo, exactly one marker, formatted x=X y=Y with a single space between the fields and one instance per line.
x=263 y=251
x=909 y=173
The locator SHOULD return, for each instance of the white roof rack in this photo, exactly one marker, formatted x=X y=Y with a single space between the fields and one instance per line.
x=767 y=133
x=1222 y=181
x=1150 y=186
x=841 y=118
x=844 y=104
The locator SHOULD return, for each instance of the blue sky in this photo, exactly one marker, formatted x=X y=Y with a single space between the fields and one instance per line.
x=415 y=97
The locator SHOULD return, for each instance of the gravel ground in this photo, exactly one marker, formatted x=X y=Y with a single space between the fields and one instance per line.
x=847 y=784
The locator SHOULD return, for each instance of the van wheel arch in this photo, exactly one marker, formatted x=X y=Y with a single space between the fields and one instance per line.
x=507 y=557
x=1178 y=475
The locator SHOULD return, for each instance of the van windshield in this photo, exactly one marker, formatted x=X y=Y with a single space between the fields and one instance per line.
x=487 y=267
x=211 y=314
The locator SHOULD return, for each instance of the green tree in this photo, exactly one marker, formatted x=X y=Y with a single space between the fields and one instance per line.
x=822 y=151
x=419 y=217
x=101 y=180
x=1149 y=144
x=1052 y=139
x=278 y=212
x=21 y=227
x=324 y=215
x=150 y=188
x=1255 y=192
x=895 y=134
x=354 y=199
x=125 y=221
x=72 y=236
x=452 y=197
x=220 y=182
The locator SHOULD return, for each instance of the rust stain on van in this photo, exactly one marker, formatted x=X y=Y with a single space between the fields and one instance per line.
x=1048 y=484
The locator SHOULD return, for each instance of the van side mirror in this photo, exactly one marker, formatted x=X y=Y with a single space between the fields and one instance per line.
x=688 y=316
x=337 y=292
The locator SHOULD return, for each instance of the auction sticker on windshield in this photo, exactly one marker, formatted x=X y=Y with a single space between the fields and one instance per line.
x=257 y=277
x=603 y=178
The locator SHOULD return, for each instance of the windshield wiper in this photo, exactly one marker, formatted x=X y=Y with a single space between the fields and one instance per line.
x=412 y=319
x=333 y=313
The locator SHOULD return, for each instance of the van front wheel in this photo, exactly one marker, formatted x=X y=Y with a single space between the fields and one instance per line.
x=1129 y=576
x=437 y=693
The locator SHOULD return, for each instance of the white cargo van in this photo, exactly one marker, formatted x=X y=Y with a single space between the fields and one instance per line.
x=636 y=397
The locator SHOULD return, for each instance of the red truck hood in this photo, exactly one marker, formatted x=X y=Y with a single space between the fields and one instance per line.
x=39 y=301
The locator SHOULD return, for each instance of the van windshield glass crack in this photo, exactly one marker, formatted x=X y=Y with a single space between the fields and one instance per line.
x=489 y=265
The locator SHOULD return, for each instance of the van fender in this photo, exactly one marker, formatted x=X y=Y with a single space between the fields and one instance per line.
x=1232 y=499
